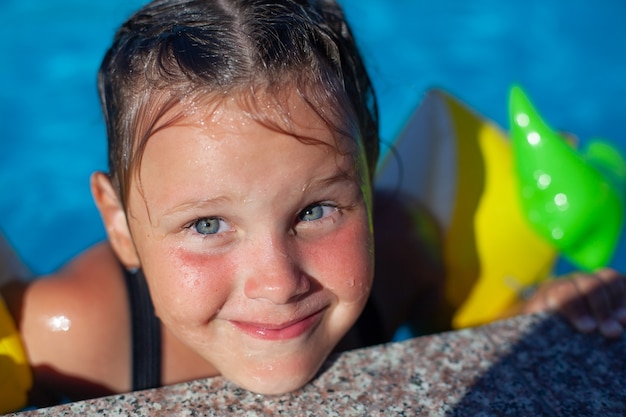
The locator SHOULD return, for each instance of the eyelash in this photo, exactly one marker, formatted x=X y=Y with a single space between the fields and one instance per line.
x=310 y=207
x=193 y=225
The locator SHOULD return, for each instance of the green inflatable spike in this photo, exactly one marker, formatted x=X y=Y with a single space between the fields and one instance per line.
x=576 y=202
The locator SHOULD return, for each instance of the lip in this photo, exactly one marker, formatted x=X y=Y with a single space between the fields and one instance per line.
x=284 y=331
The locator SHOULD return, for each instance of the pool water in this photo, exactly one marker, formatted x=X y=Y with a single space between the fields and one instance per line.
x=569 y=55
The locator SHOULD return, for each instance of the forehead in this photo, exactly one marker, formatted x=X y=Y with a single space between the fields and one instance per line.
x=222 y=149
x=286 y=111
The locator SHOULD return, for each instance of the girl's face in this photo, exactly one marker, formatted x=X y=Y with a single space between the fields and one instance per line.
x=257 y=246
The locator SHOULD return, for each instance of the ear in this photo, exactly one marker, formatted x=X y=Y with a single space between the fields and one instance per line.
x=114 y=218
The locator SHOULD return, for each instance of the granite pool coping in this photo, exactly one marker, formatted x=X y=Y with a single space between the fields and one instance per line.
x=524 y=366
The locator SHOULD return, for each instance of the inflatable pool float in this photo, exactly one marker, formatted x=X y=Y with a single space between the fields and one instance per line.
x=15 y=373
x=492 y=202
x=574 y=200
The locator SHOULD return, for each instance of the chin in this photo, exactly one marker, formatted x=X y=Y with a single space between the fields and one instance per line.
x=274 y=387
x=279 y=377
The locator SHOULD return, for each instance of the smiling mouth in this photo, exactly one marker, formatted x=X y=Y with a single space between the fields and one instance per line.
x=285 y=331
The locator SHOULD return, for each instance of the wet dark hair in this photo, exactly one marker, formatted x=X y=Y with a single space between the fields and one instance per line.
x=171 y=50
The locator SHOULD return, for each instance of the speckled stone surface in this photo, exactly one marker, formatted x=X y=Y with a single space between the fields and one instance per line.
x=526 y=366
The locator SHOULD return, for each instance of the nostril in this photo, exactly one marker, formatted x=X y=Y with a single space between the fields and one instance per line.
x=277 y=288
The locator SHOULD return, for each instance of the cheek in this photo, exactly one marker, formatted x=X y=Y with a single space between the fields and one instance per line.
x=188 y=287
x=345 y=262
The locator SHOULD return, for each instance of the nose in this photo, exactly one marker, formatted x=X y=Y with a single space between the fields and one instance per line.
x=274 y=274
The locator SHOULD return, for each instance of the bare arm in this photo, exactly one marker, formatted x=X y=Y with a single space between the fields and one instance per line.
x=74 y=325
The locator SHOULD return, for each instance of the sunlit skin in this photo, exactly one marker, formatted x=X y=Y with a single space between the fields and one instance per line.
x=257 y=247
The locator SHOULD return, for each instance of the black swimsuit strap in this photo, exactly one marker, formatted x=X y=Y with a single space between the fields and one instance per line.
x=146 y=333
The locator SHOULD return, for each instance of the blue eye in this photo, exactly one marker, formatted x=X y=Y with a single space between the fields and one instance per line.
x=207 y=226
x=314 y=212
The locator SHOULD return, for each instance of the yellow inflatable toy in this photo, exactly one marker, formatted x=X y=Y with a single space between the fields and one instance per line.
x=461 y=166
x=15 y=374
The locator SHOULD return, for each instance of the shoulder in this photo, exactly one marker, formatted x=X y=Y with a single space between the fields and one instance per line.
x=75 y=325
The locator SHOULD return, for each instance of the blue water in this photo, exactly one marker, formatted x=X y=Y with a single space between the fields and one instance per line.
x=569 y=55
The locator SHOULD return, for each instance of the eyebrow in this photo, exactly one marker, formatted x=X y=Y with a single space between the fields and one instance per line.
x=190 y=205
x=338 y=177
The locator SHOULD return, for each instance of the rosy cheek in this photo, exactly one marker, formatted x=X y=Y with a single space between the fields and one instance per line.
x=195 y=283
x=349 y=268
x=192 y=268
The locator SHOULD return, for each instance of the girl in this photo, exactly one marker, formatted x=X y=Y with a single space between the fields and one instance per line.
x=242 y=143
